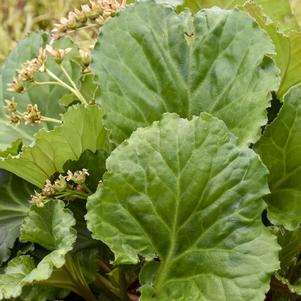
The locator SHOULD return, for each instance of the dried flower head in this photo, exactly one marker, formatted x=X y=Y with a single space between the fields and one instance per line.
x=32 y=115
x=57 y=54
x=85 y=57
x=60 y=184
x=28 y=71
x=41 y=60
x=78 y=177
x=100 y=20
x=14 y=118
x=11 y=105
x=95 y=10
x=72 y=20
x=38 y=199
x=17 y=85
x=81 y=15
x=69 y=176
x=94 y=13
x=48 y=189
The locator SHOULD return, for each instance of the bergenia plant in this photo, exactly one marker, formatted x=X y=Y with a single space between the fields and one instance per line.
x=162 y=161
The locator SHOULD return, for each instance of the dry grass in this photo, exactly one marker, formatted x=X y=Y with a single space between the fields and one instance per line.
x=18 y=17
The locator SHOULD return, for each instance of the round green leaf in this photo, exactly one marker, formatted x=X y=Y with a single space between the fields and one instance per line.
x=186 y=192
x=149 y=61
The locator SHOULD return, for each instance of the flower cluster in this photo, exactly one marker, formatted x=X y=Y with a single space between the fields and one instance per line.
x=57 y=54
x=78 y=177
x=95 y=13
x=38 y=64
x=27 y=72
x=64 y=186
x=86 y=57
x=31 y=116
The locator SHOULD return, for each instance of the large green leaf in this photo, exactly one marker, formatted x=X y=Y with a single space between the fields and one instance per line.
x=14 y=206
x=186 y=192
x=82 y=130
x=50 y=227
x=219 y=67
x=280 y=149
x=279 y=10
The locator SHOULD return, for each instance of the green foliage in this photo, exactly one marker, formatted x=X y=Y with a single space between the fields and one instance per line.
x=170 y=179
x=169 y=175
x=50 y=227
x=187 y=75
x=280 y=150
x=14 y=206
x=82 y=130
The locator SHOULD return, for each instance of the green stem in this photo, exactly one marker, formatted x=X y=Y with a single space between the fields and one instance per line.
x=48 y=119
x=82 y=194
x=72 y=267
x=49 y=84
x=83 y=28
x=77 y=194
x=81 y=97
x=68 y=77
x=87 y=188
x=111 y=291
x=71 y=89
x=86 y=294
x=123 y=286
x=103 y=266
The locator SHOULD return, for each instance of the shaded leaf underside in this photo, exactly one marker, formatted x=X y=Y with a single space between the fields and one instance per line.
x=14 y=206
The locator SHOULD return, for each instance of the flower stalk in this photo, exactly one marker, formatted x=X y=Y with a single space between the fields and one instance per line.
x=70 y=186
x=94 y=14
